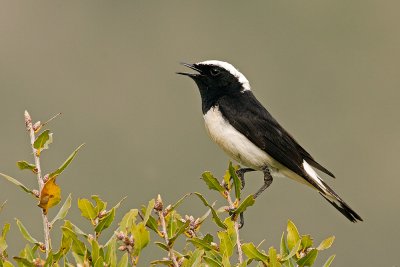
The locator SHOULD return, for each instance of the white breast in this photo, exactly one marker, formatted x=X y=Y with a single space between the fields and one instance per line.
x=234 y=143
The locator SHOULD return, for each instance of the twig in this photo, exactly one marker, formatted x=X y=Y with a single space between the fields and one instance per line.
x=29 y=127
x=236 y=224
x=158 y=208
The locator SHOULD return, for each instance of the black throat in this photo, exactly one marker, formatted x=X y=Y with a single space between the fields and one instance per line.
x=211 y=96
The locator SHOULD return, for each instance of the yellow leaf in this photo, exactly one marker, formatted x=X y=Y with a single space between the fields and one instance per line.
x=50 y=195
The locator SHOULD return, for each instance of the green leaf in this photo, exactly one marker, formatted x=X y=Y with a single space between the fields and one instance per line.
x=293 y=252
x=123 y=261
x=66 y=163
x=253 y=253
x=3 y=243
x=309 y=259
x=28 y=252
x=179 y=202
x=111 y=255
x=23 y=165
x=63 y=210
x=226 y=244
x=236 y=181
x=16 y=182
x=43 y=140
x=99 y=262
x=152 y=224
x=23 y=262
x=172 y=223
x=214 y=213
x=306 y=242
x=49 y=261
x=162 y=262
x=180 y=231
x=201 y=243
x=150 y=207
x=100 y=204
x=25 y=233
x=249 y=201
x=2 y=205
x=78 y=247
x=212 y=182
x=162 y=245
x=195 y=259
x=283 y=247
x=227 y=238
x=225 y=261
x=6 y=228
x=327 y=243
x=75 y=229
x=293 y=235
x=329 y=261
x=66 y=243
x=95 y=250
x=87 y=209
x=273 y=258
x=227 y=179
x=6 y=263
x=128 y=220
x=212 y=262
x=141 y=236
x=105 y=222
x=119 y=203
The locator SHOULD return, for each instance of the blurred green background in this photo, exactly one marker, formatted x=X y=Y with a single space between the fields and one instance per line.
x=327 y=70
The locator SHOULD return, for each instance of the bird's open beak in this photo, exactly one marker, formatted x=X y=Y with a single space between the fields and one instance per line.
x=193 y=67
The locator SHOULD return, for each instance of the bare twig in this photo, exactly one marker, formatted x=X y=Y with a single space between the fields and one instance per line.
x=158 y=208
x=236 y=223
x=29 y=127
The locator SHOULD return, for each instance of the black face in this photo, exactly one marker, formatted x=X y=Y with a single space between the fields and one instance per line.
x=213 y=82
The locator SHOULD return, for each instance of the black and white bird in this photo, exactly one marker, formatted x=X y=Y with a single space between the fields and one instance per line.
x=247 y=132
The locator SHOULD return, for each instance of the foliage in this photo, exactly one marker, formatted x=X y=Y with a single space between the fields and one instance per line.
x=154 y=221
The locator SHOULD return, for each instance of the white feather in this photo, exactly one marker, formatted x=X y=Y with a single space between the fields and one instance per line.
x=313 y=175
x=229 y=67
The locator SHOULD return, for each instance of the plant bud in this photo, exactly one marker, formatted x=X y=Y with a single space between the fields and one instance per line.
x=28 y=120
x=45 y=178
x=158 y=206
x=36 y=193
x=38 y=262
x=102 y=213
x=122 y=248
x=36 y=127
x=120 y=235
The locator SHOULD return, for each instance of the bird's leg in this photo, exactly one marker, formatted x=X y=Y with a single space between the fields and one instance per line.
x=267 y=182
x=240 y=173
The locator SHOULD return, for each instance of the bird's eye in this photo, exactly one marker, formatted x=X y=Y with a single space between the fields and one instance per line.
x=215 y=72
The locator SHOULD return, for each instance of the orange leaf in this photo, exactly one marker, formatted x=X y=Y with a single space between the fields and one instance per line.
x=50 y=195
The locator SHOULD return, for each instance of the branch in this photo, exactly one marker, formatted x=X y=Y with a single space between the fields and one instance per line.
x=158 y=207
x=29 y=127
x=238 y=243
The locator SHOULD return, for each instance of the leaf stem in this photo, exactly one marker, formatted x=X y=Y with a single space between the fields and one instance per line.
x=236 y=223
x=166 y=238
x=46 y=228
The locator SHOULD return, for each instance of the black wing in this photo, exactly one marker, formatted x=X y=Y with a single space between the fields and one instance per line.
x=248 y=116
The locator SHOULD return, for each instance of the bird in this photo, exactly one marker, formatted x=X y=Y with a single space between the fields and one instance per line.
x=237 y=122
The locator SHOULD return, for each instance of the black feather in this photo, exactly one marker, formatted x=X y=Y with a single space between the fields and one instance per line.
x=247 y=115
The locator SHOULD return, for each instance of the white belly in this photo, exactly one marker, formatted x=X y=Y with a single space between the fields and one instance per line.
x=234 y=143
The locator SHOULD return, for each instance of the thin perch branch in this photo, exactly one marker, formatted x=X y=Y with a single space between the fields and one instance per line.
x=158 y=208
x=236 y=223
x=29 y=127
